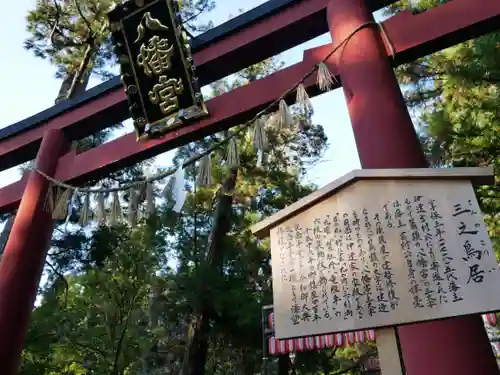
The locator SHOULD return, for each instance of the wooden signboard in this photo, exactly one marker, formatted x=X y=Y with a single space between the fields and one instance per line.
x=156 y=64
x=382 y=248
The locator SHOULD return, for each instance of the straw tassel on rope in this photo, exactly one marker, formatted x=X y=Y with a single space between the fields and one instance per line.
x=101 y=209
x=325 y=78
x=259 y=139
x=61 y=207
x=285 y=119
x=233 y=158
x=205 y=171
x=49 y=199
x=132 y=207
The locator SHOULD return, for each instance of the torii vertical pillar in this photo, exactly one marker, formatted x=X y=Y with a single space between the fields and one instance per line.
x=24 y=256
x=385 y=138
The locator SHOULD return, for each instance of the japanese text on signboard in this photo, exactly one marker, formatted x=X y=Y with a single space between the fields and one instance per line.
x=351 y=263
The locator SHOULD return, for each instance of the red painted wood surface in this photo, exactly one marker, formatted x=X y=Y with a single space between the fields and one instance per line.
x=100 y=113
x=412 y=36
x=457 y=346
x=438 y=28
x=287 y=29
x=10 y=195
x=24 y=256
x=385 y=138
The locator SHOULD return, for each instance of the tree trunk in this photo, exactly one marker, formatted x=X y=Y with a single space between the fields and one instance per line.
x=6 y=232
x=195 y=355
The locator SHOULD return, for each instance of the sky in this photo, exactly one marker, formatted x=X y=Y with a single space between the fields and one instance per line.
x=30 y=86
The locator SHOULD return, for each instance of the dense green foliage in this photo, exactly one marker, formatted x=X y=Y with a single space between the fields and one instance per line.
x=456 y=96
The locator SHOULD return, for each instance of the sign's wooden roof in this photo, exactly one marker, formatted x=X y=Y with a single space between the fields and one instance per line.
x=477 y=176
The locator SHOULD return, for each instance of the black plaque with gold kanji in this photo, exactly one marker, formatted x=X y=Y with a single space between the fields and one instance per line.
x=156 y=66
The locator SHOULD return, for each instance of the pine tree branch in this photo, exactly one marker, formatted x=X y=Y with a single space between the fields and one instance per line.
x=197 y=346
x=193 y=17
x=102 y=353
x=91 y=36
x=55 y=27
x=84 y=65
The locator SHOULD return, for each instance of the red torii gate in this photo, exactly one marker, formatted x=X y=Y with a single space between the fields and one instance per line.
x=383 y=130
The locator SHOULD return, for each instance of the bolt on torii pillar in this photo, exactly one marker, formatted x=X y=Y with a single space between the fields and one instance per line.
x=385 y=138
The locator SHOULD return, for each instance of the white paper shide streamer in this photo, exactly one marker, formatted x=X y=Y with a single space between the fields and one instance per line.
x=205 y=171
x=179 y=193
x=303 y=100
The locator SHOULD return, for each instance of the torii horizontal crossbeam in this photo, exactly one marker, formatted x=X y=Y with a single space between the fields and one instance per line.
x=256 y=35
x=411 y=36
